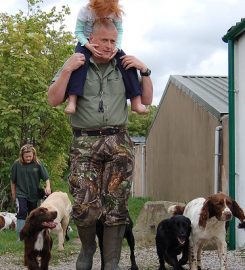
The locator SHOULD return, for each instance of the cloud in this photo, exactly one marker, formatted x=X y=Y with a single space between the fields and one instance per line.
x=215 y=64
x=171 y=37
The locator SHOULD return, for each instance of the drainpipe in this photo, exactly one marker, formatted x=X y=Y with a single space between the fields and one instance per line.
x=231 y=95
x=133 y=182
x=143 y=169
x=217 y=155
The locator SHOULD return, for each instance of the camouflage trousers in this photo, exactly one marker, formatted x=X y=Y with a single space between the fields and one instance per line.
x=100 y=178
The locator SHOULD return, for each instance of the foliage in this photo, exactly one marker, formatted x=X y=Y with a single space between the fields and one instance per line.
x=31 y=51
x=139 y=125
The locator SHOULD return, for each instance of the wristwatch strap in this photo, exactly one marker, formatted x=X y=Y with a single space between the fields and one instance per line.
x=146 y=73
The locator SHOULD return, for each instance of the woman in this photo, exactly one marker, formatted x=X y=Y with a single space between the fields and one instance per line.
x=26 y=173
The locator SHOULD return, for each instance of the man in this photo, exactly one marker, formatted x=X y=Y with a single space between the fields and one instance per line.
x=101 y=154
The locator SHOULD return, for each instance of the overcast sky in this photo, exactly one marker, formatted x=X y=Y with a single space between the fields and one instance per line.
x=177 y=37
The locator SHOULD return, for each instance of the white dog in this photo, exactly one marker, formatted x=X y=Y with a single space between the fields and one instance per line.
x=7 y=220
x=208 y=220
x=60 y=202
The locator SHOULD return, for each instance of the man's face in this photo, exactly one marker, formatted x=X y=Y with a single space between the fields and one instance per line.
x=106 y=41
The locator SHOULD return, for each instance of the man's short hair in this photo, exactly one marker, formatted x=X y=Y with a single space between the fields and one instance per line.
x=107 y=23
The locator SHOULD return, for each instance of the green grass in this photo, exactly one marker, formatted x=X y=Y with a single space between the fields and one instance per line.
x=135 y=205
x=9 y=245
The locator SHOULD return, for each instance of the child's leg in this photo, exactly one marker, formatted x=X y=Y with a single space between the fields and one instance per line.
x=132 y=85
x=72 y=103
x=78 y=77
x=137 y=106
x=22 y=212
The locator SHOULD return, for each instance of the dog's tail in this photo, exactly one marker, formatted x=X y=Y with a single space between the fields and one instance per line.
x=68 y=230
x=241 y=225
x=176 y=210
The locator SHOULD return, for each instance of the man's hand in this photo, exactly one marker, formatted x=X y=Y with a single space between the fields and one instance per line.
x=129 y=61
x=74 y=62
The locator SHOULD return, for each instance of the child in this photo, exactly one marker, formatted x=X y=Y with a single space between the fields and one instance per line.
x=87 y=15
x=26 y=173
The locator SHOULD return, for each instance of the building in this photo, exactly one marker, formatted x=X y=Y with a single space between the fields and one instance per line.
x=186 y=147
x=235 y=37
x=138 y=185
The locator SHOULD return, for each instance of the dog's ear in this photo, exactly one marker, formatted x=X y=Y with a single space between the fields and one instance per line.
x=2 y=222
x=12 y=225
x=176 y=209
x=237 y=211
x=204 y=215
x=167 y=226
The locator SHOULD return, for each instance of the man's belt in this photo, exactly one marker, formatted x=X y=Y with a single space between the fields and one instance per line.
x=98 y=132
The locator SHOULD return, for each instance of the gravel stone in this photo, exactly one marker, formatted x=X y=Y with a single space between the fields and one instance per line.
x=146 y=258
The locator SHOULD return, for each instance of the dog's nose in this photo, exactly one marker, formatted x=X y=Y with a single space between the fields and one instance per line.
x=55 y=213
x=228 y=215
x=183 y=234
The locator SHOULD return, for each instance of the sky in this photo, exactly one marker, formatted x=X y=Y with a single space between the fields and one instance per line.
x=177 y=37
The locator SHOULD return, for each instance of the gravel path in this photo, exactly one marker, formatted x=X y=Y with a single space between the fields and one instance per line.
x=146 y=259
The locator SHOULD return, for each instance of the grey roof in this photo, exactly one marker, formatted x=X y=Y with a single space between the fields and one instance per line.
x=211 y=92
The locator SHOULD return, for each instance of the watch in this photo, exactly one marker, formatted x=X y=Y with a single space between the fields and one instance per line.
x=146 y=73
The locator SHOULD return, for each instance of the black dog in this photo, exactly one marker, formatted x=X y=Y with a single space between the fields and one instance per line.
x=172 y=239
x=128 y=235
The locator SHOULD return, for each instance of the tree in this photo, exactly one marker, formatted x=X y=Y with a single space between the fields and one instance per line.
x=32 y=48
x=139 y=125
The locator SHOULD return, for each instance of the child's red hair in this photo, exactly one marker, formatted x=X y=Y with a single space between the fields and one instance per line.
x=104 y=8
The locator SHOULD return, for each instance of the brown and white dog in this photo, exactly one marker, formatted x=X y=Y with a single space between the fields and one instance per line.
x=59 y=201
x=37 y=240
x=208 y=219
x=7 y=220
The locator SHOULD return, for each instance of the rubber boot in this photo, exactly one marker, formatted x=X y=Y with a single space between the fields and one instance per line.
x=19 y=225
x=112 y=245
x=85 y=257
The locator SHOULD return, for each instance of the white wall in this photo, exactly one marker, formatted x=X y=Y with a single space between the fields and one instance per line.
x=240 y=130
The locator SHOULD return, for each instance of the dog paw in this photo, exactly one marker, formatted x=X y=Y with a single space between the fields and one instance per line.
x=61 y=248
